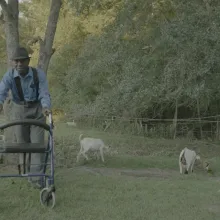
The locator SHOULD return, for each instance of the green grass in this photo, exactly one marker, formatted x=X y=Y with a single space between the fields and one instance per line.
x=83 y=195
x=134 y=162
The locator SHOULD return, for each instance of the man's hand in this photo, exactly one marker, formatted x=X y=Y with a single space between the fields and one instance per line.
x=46 y=111
x=1 y=107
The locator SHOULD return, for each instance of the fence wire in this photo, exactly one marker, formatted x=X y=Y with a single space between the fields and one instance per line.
x=191 y=128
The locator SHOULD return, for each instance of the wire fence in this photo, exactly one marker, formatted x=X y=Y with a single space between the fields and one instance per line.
x=190 y=128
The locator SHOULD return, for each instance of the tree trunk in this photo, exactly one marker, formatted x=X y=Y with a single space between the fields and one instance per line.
x=10 y=12
x=46 y=50
x=217 y=129
x=10 y=16
x=175 y=119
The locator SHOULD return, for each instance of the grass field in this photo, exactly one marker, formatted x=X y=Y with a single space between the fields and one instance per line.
x=139 y=180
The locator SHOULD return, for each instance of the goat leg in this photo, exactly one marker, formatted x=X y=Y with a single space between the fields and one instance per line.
x=84 y=154
x=77 y=159
x=101 y=153
x=97 y=155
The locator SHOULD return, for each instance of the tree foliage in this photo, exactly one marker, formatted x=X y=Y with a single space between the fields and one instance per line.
x=134 y=58
x=155 y=52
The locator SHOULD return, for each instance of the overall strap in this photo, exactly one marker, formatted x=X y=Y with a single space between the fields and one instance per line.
x=18 y=84
x=36 y=81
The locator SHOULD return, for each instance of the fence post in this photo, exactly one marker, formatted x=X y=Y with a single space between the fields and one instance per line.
x=217 y=129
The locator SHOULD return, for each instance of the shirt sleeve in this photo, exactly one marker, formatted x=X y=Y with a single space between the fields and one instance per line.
x=44 y=95
x=5 y=85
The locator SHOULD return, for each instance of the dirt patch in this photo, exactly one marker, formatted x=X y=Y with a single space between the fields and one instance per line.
x=151 y=172
x=214 y=209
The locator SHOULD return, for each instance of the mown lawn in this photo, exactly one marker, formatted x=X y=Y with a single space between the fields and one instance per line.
x=83 y=195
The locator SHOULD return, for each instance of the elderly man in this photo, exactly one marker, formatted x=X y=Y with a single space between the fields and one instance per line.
x=30 y=100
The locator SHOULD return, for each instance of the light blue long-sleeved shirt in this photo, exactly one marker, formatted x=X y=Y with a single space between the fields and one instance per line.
x=28 y=87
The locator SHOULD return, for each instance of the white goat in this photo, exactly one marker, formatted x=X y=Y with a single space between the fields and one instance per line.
x=71 y=123
x=93 y=145
x=187 y=160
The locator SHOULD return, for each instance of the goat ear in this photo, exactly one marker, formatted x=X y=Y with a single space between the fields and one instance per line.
x=198 y=157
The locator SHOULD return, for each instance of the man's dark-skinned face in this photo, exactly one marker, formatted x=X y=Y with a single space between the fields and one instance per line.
x=21 y=66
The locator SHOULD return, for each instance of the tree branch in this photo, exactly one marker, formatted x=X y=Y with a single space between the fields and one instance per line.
x=10 y=8
x=3 y=36
x=4 y=6
x=34 y=40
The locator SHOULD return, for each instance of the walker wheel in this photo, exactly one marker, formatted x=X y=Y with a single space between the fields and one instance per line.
x=47 y=197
